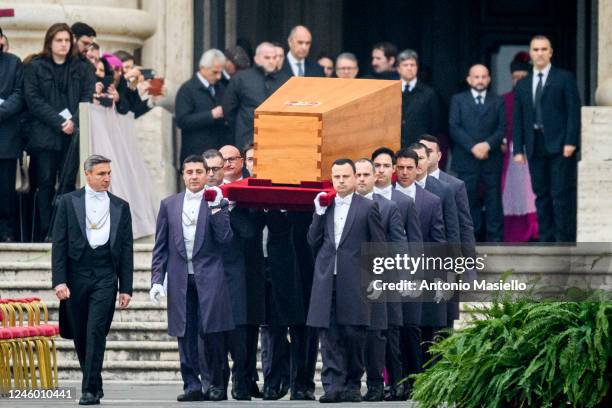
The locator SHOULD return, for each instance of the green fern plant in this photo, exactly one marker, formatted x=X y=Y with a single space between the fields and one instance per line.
x=523 y=354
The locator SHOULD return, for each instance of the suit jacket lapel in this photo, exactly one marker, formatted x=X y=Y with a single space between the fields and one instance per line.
x=349 y=219
x=78 y=202
x=329 y=221
x=177 y=216
x=115 y=218
x=200 y=227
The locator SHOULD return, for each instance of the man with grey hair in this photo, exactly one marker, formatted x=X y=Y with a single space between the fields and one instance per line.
x=199 y=114
x=420 y=103
x=248 y=89
x=347 y=65
x=297 y=62
x=92 y=256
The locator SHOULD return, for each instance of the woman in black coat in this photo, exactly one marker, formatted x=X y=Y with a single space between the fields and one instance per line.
x=55 y=81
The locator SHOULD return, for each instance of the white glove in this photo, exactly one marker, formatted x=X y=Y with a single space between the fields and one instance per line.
x=319 y=209
x=156 y=292
x=218 y=197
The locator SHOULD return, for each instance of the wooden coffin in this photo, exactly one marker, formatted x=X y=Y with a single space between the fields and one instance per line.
x=310 y=122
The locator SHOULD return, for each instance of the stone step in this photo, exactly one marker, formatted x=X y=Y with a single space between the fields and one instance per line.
x=41 y=289
x=40 y=271
x=136 y=312
x=33 y=252
x=126 y=351
x=137 y=332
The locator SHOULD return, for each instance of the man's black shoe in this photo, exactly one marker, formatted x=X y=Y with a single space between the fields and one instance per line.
x=89 y=399
x=254 y=391
x=284 y=390
x=398 y=393
x=309 y=396
x=374 y=394
x=190 y=396
x=352 y=396
x=241 y=395
x=216 y=394
x=298 y=396
x=332 y=397
x=100 y=394
x=270 y=395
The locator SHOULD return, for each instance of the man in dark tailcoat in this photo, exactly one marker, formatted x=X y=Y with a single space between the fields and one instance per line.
x=188 y=241
x=92 y=256
x=337 y=305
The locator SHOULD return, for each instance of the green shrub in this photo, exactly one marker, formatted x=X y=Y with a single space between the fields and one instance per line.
x=523 y=354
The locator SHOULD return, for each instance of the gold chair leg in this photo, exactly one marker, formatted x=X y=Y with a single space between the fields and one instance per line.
x=32 y=366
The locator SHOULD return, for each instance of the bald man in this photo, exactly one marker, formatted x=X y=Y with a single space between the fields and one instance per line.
x=477 y=124
x=248 y=89
x=297 y=62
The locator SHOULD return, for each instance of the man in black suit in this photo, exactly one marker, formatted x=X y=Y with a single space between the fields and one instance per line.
x=297 y=63
x=432 y=316
x=11 y=105
x=466 y=227
x=403 y=318
x=199 y=114
x=420 y=103
x=477 y=122
x=384 y=58
x=546 y=125
x=248 y=89
x=376 y=338
x=338 y=306
x=92 y=254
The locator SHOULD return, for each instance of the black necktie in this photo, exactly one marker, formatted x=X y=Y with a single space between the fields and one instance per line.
x=538 y=102
x=211 y=89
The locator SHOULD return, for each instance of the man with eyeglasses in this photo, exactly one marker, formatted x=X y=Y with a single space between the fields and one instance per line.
x=347 y=66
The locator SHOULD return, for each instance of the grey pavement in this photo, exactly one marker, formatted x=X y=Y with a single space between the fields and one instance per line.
x=130 y=395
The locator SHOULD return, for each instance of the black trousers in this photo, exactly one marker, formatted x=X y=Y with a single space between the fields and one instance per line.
x=553 y=179
x=375 y=358
x=8 y=203
x=45 y=168
x=280 y=352
x=235 y=344
x=91 y=306
x=393 y=355
x=342 y=352
x=252 y=338
x=410 y=344
x=494 y=214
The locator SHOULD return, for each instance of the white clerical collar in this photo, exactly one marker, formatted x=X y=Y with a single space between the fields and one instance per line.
x=100 y=195
x=203 y=80
x=435 y=174
x=422 y=183
x=189 y=195
x=476 y=94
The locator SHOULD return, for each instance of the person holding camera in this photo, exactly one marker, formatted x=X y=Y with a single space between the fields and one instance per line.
x=56 y=80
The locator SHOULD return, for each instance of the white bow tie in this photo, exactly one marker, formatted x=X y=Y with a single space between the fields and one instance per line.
x=421 y=183
x=99 y=195
x=193 y=196
x=342 y=201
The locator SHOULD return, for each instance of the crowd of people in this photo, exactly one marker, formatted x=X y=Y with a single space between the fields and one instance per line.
x=39 y=120
x=236 y=277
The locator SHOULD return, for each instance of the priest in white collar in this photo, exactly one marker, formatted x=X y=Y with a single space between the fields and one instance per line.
x=338 y=306
x=92 y=258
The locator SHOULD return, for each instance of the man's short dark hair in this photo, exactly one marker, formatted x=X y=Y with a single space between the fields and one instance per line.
x=419 y=146
x=247 y=147
x=407 y=153
x=211 y=154
x=540 y=37
x=389 y=49
x=383 y=150
x=365 y=160
x=343 y=161
x=431 y=139
x=95 y=46
x=94 y=160
x=81 y=29
x=124 y=55
x=193 y=158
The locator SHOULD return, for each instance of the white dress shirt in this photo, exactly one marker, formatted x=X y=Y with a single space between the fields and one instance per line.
x=435 y=174
x=422 y=183
x=293 y=63
x=384 y=191
x=97 y=223
x=203 y=80
x=191 y=210
x=341 y=210
x=410 y=85
x=410 y=191
x=536 y=79
x=475 y=95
